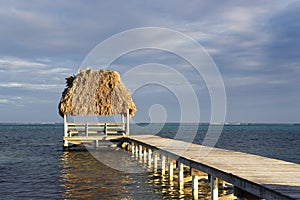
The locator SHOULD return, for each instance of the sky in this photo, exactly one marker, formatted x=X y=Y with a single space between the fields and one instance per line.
x=253 y=44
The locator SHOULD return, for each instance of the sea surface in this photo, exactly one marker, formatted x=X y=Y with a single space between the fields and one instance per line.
x=33 y=164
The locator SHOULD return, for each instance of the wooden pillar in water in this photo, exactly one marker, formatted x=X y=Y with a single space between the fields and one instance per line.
x=195 y=186
x=145 y=155
x=163 y=164
x=127 y=122
x=180 y=176
x=140 y=150
x=132 y=148
x=136 y=151
x=149 y=157
x=66 y=144
x=195 y=178
x=213 y=188
x=170 y=170
x=155 y=162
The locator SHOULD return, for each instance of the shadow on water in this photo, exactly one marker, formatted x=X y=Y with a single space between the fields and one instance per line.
x=84 y=177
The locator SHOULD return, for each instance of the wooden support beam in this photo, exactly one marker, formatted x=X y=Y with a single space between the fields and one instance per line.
x=127 y=122
x=132 y=147
x=155 y=158
x=105 y=129
x=163 y=164
x=213 y=188
x=149 y=157
x=86 y=129
x=180 y=176
x=145 y=154
x=170 y=170
x=65 y=125
x=123 y=122
x=136 y=151
x=140 y=151
x=66 y=143
x=195 y=186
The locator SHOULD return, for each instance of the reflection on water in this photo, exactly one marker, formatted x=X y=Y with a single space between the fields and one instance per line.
x=85 y=177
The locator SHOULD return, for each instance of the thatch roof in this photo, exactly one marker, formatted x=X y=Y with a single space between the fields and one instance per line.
x=95 y=92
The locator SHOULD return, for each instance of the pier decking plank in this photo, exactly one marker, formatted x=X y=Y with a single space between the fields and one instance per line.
x=264 y=177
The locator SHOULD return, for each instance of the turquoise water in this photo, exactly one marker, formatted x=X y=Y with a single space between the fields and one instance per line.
x=34 y=166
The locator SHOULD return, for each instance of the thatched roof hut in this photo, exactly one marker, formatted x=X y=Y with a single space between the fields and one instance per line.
x=95 y=92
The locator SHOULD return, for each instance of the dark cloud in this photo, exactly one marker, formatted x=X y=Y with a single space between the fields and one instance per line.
x=284 y=29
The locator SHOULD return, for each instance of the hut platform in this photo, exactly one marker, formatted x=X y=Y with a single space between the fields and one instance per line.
x=82 y=132
x=96 y=139
x=253 y=177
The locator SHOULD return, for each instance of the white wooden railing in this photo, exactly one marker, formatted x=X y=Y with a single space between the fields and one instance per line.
x=95 y=128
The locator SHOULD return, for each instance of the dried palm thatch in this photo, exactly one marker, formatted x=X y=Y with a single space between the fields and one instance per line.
x=95 y=92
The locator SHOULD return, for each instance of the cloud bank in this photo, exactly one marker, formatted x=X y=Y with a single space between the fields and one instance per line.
x=254 y=44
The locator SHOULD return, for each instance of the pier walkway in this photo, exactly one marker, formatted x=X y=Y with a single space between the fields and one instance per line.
x=262 y=177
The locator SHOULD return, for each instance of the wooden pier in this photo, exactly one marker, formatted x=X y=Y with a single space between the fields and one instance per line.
x=253 y=177
x=101 y=92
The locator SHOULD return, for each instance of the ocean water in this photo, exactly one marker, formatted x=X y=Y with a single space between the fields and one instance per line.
x=33 y=164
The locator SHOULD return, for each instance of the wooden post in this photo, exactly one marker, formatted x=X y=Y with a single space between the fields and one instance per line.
x=155 y=162
x=65 y=125
x=149 y=157
x=136 y=151
x=123 y=121
x=105 y=129
x=180 y=175
x=132 y=148
x=127 y=122
x=145 y=155
x=86 y=129
x=96 y=143
x=140 y=150
x=66 y=144
x=163 y=164
x=195 y=186
x=213 y=188
x=170 y=170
